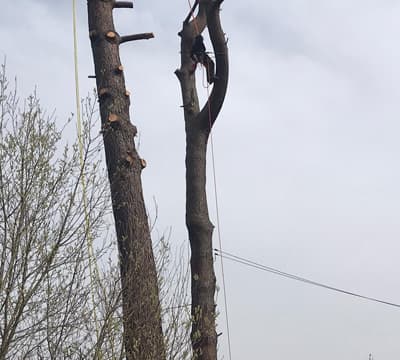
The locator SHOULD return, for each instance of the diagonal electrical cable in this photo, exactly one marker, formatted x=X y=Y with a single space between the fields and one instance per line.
x=247 y=262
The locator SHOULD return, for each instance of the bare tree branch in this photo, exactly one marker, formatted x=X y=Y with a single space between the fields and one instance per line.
x=123 y=4
x=143 y=36
x=191 y=12
x=218 y=40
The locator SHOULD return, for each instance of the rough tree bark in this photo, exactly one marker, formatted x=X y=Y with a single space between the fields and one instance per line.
x=198 y=124
x=143 y=338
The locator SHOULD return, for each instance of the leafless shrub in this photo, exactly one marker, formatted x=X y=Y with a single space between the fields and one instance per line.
x=60 y=291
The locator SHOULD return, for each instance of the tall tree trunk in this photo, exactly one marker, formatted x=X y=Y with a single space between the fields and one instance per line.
x=143 y=338
x=198 y=124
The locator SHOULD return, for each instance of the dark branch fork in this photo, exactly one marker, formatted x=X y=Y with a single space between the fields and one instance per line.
x=207 y=16
x=219 y=89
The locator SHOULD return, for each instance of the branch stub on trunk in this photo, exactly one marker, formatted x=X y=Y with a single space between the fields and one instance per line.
x=92 y=34
x=111 y=36
x=123 y=4
x=129 y=158
x=104 y=92
x=113 y=118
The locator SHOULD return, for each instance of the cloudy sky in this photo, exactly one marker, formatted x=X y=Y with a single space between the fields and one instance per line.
x=307 y=154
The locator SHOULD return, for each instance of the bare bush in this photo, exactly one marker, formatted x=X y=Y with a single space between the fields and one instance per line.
x=59 y=298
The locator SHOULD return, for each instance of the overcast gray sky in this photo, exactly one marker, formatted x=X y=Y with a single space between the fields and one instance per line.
x=307 y=153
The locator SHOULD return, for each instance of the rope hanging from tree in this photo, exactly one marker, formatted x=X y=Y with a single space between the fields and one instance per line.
x=93 y=267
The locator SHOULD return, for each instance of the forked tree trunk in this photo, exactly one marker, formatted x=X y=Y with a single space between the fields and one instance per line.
x=143 y=338
x=198 y=124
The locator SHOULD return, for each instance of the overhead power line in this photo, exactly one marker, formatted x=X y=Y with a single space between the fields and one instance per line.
x=250 y=263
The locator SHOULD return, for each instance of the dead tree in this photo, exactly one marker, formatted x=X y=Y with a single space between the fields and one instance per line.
x=198 y=124
x=143 y=336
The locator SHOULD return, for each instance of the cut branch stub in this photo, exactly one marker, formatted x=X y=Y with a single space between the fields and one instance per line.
x=143 y=36
x=123 y=4
x=104 y=92
x=119 y=69
x=129 y=158
x=113 y=118
x=112 y=36
x=92 y=34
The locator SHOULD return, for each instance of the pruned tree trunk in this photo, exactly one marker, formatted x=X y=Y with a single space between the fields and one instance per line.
x=198 y=124
x=143 y=336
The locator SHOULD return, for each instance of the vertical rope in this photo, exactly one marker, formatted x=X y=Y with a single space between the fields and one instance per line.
x=218 y=219
x=93 y=273
x=194 y=18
